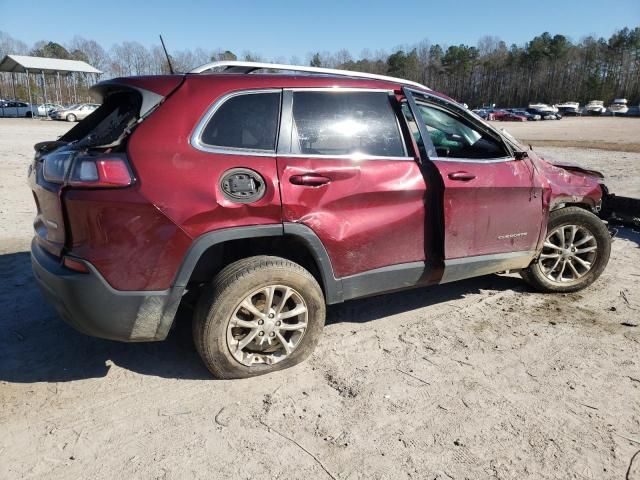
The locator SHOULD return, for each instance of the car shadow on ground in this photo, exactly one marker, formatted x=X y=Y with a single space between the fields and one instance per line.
x=37 y=346
x=375 y=308
x=628 y=234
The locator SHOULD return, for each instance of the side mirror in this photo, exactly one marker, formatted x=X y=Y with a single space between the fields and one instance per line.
x=521 y=155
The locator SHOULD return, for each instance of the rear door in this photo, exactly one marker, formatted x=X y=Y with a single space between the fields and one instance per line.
x=345 y=173
x=492 y=211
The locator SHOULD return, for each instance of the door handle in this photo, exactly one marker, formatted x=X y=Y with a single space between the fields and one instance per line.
x=308 y=180
x=461 y=176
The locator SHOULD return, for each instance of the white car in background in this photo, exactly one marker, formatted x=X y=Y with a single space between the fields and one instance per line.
x=74 y=113
x=13 y=108
x=44 y=109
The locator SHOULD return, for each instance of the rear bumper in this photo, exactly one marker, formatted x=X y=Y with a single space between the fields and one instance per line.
x=89 y=304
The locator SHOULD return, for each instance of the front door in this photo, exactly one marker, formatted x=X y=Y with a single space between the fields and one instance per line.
x=491 y=210
x=345 y=173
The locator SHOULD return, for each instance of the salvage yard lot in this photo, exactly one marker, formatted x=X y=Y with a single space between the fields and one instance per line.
x=479 y=379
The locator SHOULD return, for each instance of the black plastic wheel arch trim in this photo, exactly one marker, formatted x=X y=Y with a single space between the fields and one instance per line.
x=332 y=286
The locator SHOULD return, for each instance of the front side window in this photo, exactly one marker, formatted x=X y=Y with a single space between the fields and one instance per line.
x=345 y=123
x=451 y=137
x=247 y=121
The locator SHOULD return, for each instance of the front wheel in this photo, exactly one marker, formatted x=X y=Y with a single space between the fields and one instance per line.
x=259 y=315
x=71 y=118
x=575 y=252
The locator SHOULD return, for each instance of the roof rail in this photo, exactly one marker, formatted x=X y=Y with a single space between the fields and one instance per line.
x=234 y=66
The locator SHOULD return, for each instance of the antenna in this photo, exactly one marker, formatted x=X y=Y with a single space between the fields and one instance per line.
x=167 y=55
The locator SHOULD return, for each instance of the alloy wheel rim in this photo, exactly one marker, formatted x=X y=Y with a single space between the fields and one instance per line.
x=568 y=254
x=267 y=325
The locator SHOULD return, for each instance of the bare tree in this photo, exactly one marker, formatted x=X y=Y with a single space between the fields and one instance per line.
x=548 y=68
x=93 y=52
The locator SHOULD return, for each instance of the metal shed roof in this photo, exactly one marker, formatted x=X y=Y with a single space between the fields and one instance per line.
x=22 y=63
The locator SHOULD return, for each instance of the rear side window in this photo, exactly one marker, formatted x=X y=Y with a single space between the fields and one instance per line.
x=248 y=121
x=345 y=123
x=109 y=123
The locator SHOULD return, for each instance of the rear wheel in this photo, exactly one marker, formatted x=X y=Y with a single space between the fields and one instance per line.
x=259 y=315
x=575 y=252
x=71 y=118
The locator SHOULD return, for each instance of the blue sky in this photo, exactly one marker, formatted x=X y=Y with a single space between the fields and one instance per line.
x=286 y=28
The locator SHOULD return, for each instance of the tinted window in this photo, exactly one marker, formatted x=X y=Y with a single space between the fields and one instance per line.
x=452 y=137
x=345 y=123
x=248 y=121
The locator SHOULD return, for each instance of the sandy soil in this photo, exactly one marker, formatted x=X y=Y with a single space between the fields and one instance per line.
x=474 y=380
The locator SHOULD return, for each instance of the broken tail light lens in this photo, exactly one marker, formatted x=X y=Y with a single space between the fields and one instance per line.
x=55 y=166
x=100 y=171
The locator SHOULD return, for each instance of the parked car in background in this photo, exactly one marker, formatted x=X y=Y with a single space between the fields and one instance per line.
x=74 y=113
x=524 y=113
x=547 y=112
x=543 y=107
x=507 y=116
x=44 y=109
x=483 y=113
x=544 y=114
x=71 y=106
x=14 y=108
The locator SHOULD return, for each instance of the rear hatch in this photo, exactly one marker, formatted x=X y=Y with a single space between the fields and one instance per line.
x=101 y=138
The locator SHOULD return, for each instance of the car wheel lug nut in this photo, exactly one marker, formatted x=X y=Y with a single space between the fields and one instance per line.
x=261 y=334
x=277 y=324
x=272 y=334
x=260 y=322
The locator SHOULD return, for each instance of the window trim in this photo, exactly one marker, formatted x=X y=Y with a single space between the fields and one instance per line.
x=196 y=137
x=460 y=116
x=468 y=115
x=285 y=140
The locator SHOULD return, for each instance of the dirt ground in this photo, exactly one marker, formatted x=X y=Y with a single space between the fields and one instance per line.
x=604 y=133
x=481 y=379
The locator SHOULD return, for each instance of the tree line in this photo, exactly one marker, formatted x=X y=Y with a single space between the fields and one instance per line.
x=548 y=68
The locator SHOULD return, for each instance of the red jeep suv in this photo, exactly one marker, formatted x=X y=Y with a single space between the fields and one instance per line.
x=267 y=196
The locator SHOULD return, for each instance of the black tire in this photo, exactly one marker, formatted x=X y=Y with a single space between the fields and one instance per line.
x=28 y=115
x=591 y=223
x=222 y=298
x=71 y=118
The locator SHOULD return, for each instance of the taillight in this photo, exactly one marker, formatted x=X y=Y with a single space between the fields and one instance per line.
x=56 y=165
x=87 y=170
x=100 y=171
